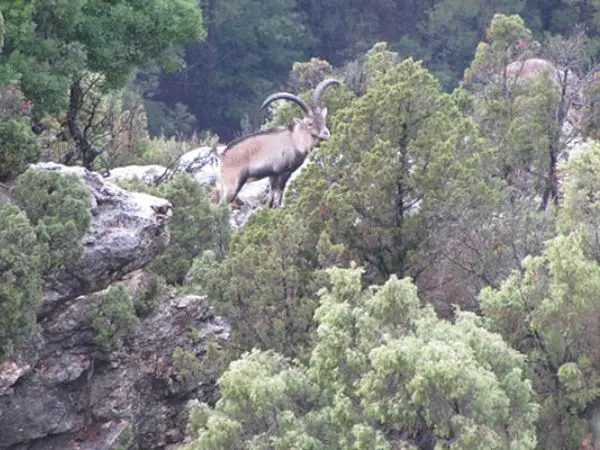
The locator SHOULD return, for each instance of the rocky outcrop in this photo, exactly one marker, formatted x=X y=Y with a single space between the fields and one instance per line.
x=128 y=230
x=63 y=392
x=59 y=395
x=202 y=162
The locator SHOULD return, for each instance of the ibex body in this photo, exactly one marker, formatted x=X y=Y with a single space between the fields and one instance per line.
x=277 y=152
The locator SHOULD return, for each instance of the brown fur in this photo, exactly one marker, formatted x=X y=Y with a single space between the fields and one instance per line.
x=277 y=152
x=237 y=141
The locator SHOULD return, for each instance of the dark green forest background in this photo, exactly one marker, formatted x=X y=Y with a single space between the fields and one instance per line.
x=251 y=45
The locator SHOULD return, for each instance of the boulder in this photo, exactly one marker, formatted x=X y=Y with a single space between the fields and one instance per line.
x=128 y=230
x=202 y=163
x=148 y=174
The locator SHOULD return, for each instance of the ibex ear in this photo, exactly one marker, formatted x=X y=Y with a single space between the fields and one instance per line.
x=324 y=112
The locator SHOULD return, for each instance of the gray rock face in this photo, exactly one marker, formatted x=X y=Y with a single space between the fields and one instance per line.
x=149 y=174
x=62 y=396
x=63 y=393
x=202 y=162
x=128 y=230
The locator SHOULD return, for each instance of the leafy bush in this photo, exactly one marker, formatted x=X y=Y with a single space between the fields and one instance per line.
x=18 y=147
x=306 y=75
x=150 y=294
x=58 y=205
x=265 y=287
x=20 y=281
x=196 y=225
x=114 y=319
x=383 y=373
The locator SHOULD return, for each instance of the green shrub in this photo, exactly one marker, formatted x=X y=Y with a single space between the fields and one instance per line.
x=265 y=287
x=149 y=295
x=58 y=205
x=196 y=225
x=126 y=440
x=18 y=147
x=20 y=280
x=187 y=367
x=383 y=373
x=114 y=318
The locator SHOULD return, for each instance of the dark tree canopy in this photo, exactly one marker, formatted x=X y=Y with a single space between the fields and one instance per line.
x=50 y=45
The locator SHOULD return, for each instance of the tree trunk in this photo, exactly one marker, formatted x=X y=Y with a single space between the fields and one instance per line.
x=83 y=146
x=551 y=190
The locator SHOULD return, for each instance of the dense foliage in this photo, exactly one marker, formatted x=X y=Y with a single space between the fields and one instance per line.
x=250 y=47
x=20 y=281
x=549 y=310
x=432 y=280
x=455 y=190
x=58 y=206
x=196 y=225
x=51 y=48
x=383 y=373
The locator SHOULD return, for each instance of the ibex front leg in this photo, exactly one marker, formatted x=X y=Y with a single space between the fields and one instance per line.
x=278 y=183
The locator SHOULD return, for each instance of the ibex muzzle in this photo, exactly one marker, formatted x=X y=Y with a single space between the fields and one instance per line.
x=277 y=152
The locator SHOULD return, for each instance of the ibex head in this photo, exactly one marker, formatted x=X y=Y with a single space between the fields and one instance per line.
x=315 y=120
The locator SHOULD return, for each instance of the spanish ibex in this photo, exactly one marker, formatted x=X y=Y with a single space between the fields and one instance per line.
x=277 y=152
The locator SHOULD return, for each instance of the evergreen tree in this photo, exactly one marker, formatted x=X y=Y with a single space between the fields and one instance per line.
x=383 y=373
x=550 y=311
x=50 y=46
x=396 y=160
x=20 y=279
